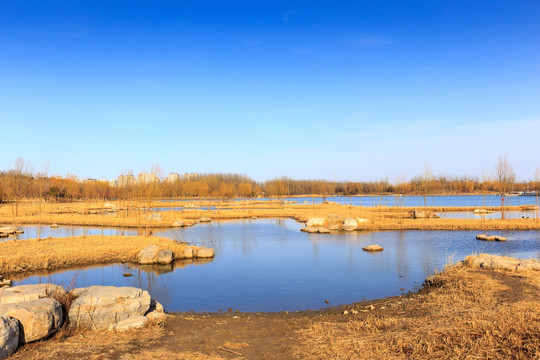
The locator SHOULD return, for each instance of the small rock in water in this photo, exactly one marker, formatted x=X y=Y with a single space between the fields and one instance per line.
x=481 y=237
x=327 y=301
x=128 y=274
x=499 y=238
x=373 y=248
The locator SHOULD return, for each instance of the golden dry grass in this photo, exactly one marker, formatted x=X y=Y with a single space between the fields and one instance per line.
x=469 y=314
x=18 y=256
x=140 y=215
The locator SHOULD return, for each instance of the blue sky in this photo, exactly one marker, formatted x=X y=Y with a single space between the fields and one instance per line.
x=356 y=90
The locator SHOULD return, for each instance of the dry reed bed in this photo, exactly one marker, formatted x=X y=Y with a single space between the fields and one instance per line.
x=468 y=313
x=19 y=256
x=382 y=218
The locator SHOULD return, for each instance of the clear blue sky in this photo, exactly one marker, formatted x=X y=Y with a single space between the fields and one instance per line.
x=358 y=90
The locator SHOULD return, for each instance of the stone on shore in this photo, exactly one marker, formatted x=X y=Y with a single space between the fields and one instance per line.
x=9 y=336
x=350 y=224
x=10 y=230
x=187 y=253
x=205 y=220
x=38 y=318
x=419 y=214
x=165 y=257
x=178 y=223
x=203 y=252
x=373 y=248
x=5 y=282
x=148 y=255
x=133 y=322
x=314 y=222
x=156 y=312
x=98 y=307
x=323 y=230
x=491 y=262
x=30 y=292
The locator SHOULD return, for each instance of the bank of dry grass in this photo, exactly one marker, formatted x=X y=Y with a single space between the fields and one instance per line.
x=141 y=215
x=468 y=313
x=20 y=256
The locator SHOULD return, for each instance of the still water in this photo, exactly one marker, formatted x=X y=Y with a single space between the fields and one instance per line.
x=269 y=265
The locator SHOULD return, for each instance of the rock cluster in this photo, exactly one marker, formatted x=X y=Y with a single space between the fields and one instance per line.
x=486 y=261
x=5 y=231
x=485 y=237
x=32 y=312
x=325 y=226
x=152 y=254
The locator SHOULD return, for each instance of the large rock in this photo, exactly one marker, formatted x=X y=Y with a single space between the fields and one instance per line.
x=9 y=336
x=30 y=292
x=98 y=307
x=419 y=214
x=314 y=222
x=187 y=253
x=203 y=252
x=350 y=224
x=38 y=318
x=486 y=261
x=133 y=322
x=148 y=255
x=165 y=257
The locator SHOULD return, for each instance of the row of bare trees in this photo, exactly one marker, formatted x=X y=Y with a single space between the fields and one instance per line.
x=21 y=182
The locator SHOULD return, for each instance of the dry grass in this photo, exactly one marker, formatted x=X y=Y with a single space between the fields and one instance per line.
x=467 y=314
x=140 y=215
x=18 y=256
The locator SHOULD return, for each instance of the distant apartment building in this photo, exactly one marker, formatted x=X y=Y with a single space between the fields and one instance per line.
x=147 y=178
x=173 y=177
x=125 y=180
x=190 y=176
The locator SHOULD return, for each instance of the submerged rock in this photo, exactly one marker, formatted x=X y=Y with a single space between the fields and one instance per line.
x=9 y=336
x=38 y=318
x=98 y=307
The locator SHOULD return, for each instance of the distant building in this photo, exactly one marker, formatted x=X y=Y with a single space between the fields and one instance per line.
x=190 y=176
x=147 y=178
x=173 y=177
x=125 y=180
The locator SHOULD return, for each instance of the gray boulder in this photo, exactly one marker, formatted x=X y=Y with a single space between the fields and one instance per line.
x=204 y=252
x=165 y=257
x=98 y=307
x=133 y=322
x=9 y=336
x=30 y=292
x=148 y=255
x=38 y=318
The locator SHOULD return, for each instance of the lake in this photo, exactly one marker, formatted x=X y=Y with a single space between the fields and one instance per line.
x=270 y=265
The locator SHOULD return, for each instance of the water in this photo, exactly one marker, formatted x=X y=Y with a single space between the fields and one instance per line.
x=430 y=200
x=269 y=265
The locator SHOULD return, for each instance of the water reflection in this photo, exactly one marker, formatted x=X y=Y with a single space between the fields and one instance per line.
x=269 y=265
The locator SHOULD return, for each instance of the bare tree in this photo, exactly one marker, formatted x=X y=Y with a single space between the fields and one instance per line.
x=504 y=172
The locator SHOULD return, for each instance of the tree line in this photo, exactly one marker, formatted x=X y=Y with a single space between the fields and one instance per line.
x=21 y=183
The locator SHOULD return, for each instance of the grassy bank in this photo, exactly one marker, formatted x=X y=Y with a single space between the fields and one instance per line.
x=465 y=313
x=143 y=216
x=20 y=256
